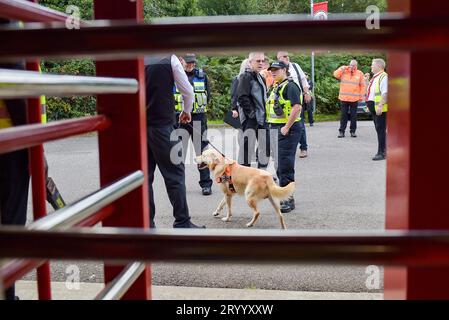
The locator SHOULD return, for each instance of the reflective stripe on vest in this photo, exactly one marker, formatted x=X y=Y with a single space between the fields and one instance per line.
x=199 y=88
x=5 y=119
x=286 y=105
x=378 y=94
x=178 y=99
x=43 y=102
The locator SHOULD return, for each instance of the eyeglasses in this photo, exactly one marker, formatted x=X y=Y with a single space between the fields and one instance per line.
x=284 y=56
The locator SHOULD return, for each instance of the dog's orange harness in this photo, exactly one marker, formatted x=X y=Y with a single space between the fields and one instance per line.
x=227 y=177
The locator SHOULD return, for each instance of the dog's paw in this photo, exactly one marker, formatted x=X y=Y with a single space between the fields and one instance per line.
x=226 y=219
x=216 y=213
x=249 y=224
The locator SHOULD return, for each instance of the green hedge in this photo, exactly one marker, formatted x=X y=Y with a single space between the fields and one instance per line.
x=221 y=70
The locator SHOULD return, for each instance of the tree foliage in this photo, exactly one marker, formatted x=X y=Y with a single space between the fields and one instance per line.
x=220 y=69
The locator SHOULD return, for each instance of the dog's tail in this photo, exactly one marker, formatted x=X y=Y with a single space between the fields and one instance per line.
x=280 y=193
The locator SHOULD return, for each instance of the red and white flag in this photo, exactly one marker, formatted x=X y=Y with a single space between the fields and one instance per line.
x=320 y=11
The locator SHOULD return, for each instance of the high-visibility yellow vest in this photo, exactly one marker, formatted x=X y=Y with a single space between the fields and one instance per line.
x=5 y=119
x=378 y=94
x=199 y=88
x=178 y=99
x=286 y=105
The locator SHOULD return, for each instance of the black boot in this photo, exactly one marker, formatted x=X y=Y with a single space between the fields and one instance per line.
x=291 y=201
x=285 y=206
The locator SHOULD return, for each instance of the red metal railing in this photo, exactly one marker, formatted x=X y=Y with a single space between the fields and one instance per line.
x=33 y=136
x=425 y=36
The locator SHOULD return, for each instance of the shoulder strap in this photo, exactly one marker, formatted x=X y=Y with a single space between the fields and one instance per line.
x=381 y=77
x=299 y=76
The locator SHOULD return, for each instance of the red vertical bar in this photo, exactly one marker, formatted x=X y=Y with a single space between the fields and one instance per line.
x=38 y=187
x=123 y=145
x=417 y=155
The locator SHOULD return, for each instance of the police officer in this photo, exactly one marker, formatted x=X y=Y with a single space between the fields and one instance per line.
x=198 y=80
x=14 y=174
x=161 y=74
x=283 y=111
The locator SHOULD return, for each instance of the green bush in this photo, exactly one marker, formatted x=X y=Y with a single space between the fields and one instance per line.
x=220 y=70
x=75 y=106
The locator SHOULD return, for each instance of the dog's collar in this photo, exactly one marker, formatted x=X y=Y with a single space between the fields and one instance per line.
x=227 y=177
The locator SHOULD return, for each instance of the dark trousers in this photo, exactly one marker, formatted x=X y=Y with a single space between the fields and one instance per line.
x=198 y=144
x=380 y=123
x=263 y=143
x=172 y=169
x=302 y=135
x=309 y=108
x=287 y=146
x=14 y=183
x=350 y=107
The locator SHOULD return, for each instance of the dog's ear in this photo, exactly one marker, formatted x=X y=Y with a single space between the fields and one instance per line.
x=229 y=161
x=214 y=158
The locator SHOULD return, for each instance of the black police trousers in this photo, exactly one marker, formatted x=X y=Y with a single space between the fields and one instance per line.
x=165 y=152
x=14 y=183
x=380 y=123
x=198 y=144
x=287 y=146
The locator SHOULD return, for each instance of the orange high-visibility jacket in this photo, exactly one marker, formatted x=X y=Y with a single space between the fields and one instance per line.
x=352 y=85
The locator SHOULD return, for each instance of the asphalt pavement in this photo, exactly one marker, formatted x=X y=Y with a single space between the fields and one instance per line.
x=339 y=187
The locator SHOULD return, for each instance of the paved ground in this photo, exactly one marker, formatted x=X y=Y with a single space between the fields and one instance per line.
x=339 y=187
x=88 y=291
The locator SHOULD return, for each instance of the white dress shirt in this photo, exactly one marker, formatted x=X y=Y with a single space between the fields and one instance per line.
x=183 y=84
x=297 y=76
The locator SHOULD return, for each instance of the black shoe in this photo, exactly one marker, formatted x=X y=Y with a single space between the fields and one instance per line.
x=341 y=134
x=353 y=135
x=378 y=157
x=207 y=191
x=190 y=225
x=311 y=124
x=291 y=202
x=285 y=206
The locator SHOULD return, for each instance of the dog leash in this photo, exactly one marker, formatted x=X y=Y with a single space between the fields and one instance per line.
x=208 y=142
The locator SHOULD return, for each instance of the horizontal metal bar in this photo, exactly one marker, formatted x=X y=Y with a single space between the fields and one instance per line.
x=21 y=137
x=415 y=248
x=24 y=84
x=84 y=208
x=130 y=39
x=26 y=11
x=116 y=289
x=16 y=269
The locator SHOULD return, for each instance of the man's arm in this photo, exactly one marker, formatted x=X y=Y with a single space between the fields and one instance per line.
x=183 y=84
x=294 y=95
x=206 y=83
x=234 y=86
x=339 y=72
x=384 y=94
x=244 y=93
x=303 y=78
x=362 y=86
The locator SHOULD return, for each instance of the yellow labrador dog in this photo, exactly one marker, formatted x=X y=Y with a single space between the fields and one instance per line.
x=254 y=183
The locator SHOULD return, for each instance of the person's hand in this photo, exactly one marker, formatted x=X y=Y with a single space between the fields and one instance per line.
x=307 y=98
x=185 y=117
x=235 y=114
x=379 y=110
x=285 y=130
